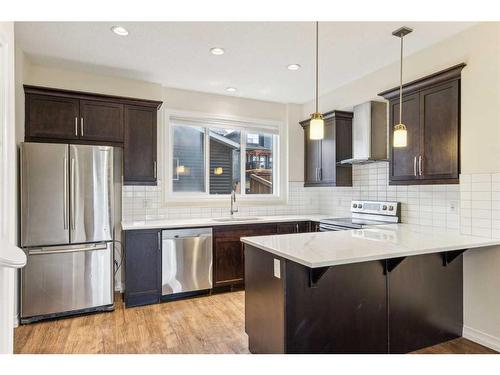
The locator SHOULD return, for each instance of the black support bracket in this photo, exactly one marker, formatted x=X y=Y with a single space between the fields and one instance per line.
x=391 y=264
x=450 y=256
x=315 y=274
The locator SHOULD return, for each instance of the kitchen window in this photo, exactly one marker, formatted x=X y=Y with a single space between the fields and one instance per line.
x=211 y=157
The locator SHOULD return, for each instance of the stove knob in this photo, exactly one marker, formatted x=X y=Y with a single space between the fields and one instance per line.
x=391 y=208
x=355 y=205
x=384 y=207
x=360 y=205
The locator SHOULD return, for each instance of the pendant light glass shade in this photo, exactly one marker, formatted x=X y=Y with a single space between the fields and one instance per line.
x=400 y=136
x=317 y=126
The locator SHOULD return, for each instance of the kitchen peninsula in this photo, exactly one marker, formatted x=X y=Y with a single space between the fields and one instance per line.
x=387 y=289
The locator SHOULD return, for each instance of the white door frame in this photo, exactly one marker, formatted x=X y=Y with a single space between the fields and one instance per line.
x=7 y=178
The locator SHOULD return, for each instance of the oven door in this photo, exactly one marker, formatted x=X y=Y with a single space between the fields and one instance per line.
x=323 y=227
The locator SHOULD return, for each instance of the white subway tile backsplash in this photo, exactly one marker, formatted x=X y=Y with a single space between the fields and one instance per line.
x=471 y=207
x=481 y=177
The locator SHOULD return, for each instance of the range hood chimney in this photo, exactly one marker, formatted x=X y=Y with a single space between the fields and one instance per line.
x=369 y=133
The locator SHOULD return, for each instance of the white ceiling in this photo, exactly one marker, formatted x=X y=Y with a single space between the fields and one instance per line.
x=176 y=54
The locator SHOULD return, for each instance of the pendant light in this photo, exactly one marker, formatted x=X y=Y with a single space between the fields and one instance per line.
x=317 y=124
x=400 y=138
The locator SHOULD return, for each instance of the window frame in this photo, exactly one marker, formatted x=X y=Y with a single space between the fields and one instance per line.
x=210 y=121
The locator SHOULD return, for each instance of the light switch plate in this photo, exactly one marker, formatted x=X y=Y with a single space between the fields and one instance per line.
x=277 y=269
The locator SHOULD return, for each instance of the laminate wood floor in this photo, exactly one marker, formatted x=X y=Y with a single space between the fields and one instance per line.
x=212 y=324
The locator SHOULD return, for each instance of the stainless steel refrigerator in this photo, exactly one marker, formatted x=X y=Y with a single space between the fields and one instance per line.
x=66 y=229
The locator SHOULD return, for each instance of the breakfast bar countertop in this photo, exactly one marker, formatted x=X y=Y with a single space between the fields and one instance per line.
x=322 y=249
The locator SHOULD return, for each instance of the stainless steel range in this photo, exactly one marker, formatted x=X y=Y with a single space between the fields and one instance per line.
x=364 y=213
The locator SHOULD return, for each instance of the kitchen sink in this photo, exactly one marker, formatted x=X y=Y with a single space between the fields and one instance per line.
x=228 y=219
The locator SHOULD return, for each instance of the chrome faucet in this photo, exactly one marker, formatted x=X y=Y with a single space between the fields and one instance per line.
x=233 y=201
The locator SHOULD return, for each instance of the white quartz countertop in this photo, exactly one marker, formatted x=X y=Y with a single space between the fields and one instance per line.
x=320 y=249
x=210 y=222
x=11 y=256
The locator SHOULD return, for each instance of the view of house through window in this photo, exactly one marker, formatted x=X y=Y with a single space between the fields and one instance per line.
x=225 y=161
x=189 y=159
x=217 y=160
x=259 y=164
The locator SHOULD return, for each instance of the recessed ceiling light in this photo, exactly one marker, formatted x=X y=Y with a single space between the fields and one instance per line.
x=217 y=51
x=119 y=30
x=231 y=89
x=293 y=67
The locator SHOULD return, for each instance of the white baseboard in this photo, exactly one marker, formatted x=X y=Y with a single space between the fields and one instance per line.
x=16 y=320
x=482 y=338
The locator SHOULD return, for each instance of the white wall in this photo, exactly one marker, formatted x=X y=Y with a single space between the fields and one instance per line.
x=7 y=180
x=479 y=48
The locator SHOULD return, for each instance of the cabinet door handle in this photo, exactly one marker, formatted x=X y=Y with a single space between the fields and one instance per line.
x=296 y=228
x=76 y=126
x=320 y=174
x=154 y=167
x=415 y=166
x=81 y=125
x=420 y=165
x=159 y=241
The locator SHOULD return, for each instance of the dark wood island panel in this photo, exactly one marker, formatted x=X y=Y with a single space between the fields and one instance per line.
x=383 y=306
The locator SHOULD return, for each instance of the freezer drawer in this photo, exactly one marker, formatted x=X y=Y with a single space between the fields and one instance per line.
x=186 y=260
x=58 y=280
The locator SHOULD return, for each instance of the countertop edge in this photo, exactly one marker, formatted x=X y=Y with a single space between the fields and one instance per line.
x=389 y=255
x=211 y=223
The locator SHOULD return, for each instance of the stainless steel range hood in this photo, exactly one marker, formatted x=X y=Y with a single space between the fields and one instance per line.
x=369 y=133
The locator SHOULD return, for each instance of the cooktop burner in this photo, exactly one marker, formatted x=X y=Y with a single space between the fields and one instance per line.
x=364 y=213
x=351 y=222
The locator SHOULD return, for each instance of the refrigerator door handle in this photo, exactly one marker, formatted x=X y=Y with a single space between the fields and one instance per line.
x=65 y=194
x=76 y=249
x=72 y=195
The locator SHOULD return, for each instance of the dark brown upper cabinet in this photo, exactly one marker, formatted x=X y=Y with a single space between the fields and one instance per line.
x=431 y=113
x=55 y=115
x=101 y=121
x=52 y=117
x=322 y=157
x=140 y=146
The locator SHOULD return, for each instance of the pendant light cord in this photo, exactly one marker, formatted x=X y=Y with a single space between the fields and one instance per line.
x=317 y=69
x=401 y=82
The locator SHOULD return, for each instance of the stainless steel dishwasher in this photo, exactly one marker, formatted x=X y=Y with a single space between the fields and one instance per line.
x=186 y=260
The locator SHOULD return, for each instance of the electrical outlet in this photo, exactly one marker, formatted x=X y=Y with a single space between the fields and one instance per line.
x=145 y=203
x=277 y=269
x=452 y=206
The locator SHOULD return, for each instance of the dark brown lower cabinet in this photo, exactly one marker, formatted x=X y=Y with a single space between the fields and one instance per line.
x=293 y=227
x=314 y=226
x=142 y=267
x=229 y=254
x=425 y=302
x=384 y=306
x=229 y=251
